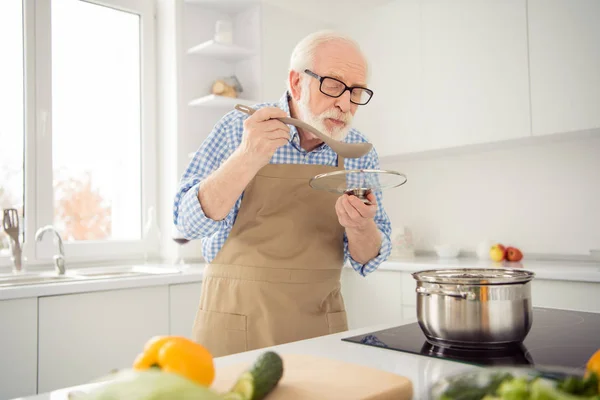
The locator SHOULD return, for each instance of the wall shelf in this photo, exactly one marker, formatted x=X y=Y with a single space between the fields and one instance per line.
x=220 y=101
x=225 y=52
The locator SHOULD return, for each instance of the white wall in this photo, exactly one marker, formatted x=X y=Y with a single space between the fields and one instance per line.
x=280 y=33
x=540 y=195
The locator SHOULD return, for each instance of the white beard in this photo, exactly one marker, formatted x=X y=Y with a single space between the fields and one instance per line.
x=318 y=121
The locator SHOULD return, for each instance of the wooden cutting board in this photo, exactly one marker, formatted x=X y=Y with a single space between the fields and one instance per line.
x=307 y=377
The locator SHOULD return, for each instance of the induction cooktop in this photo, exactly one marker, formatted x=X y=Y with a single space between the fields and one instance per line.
x=557 y=338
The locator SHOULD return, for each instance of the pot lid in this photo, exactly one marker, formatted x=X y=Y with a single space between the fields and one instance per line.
x=474 y=276
x=359 y=182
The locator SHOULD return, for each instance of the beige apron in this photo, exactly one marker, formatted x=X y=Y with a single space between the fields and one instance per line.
x=277 y=277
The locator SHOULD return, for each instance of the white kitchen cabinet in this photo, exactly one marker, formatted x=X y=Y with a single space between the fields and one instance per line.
x=409 y=286
x=184 y=299
x=389 y=37
x=474 y=80
x=445 y=74
x=18 y=335
x=567 y=295
x=85 y=336
x=409 y=312
x=372 y=300
x=564 y=56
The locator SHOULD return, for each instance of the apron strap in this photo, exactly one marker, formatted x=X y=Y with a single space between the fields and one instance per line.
x=340 y=162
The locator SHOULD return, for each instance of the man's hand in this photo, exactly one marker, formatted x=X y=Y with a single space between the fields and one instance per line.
x=353 y=213
x=364 y=237
x=263 y=135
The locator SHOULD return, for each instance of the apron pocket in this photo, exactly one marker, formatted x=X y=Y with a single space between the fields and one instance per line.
x=337 y=322
x=221 y=333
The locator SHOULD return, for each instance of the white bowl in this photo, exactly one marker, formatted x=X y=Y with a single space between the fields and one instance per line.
x=447 y=251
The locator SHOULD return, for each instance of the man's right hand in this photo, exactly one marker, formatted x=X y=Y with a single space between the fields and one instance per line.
x=263 y=135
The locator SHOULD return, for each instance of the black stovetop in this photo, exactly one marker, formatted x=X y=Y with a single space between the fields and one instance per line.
x=557 y=338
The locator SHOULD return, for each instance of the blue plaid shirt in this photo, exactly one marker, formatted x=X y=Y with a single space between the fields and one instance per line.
x=225 y=137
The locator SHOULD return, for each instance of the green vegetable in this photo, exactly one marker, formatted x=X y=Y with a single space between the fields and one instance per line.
x=514 y=389
x=467 y=387
x=543 y=390
x=587 y=386
x=151 y=384
x=259 y=380
x=504 y=386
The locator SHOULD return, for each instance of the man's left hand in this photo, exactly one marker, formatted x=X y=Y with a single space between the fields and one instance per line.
x=353 y=213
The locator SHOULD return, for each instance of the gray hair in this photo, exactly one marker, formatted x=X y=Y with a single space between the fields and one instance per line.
x=303 y=56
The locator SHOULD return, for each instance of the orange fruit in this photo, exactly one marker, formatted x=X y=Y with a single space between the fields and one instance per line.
x=593 y=363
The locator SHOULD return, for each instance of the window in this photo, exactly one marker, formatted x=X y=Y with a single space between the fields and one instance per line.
x=83 y=126
x=96 y=122
x=11 y=111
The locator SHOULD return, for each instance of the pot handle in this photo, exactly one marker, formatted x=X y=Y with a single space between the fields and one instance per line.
x=442 y=292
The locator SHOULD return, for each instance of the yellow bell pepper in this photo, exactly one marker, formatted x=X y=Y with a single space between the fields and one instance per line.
x=179 y=355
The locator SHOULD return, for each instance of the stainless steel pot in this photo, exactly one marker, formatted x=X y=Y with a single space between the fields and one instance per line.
x=474 y=308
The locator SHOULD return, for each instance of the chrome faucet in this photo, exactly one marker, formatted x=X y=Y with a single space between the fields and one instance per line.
x=59 y=259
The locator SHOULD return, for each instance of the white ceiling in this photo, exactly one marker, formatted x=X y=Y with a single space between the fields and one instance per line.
x=335 y=12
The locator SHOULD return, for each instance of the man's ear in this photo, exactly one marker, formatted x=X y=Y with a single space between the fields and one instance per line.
x=294 y=80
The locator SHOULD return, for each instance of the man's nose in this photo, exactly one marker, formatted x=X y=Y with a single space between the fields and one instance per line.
x=343 y=102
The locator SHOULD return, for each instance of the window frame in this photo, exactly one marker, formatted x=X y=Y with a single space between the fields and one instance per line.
x=38 y=179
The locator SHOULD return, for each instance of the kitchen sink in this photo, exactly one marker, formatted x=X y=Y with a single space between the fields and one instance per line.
x=18 y=280
x=101 y=274
x=84 y=274
x=125 y=271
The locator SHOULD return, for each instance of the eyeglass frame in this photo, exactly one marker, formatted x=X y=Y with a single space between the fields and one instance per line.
x=346 y=87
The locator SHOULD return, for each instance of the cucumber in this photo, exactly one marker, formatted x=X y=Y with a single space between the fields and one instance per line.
x=259 y=380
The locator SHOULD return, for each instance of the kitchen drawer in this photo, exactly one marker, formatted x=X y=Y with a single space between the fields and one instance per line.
x=579 y=296
x=184 y=299
x=409 y=313
x=18 y=338
x=86 y=335
x=408 y=286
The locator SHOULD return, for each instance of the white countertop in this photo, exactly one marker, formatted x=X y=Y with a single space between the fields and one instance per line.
x=421 y=370
x=188 y=273
x=581 y=271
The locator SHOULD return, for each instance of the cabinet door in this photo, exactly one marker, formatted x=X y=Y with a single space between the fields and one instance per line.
x=567 y=295
x=372 y=300
x=389 y=36
x=18 y=338
x=85 y=336
x=474 y=72
x=183 y=304
x=564 y=51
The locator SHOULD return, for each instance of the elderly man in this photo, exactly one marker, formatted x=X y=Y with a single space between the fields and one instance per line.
x=275 y=247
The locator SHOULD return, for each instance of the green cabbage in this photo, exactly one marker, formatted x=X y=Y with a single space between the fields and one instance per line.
x=151 y=384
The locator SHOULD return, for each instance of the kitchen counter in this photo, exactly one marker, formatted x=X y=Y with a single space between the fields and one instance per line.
x=421 y=370
x=188 y=273
x=577 y=271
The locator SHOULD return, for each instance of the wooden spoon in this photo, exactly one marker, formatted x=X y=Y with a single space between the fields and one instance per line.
x=347 y=150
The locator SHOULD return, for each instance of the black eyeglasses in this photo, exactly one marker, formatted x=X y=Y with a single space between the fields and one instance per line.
x=335 y=88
